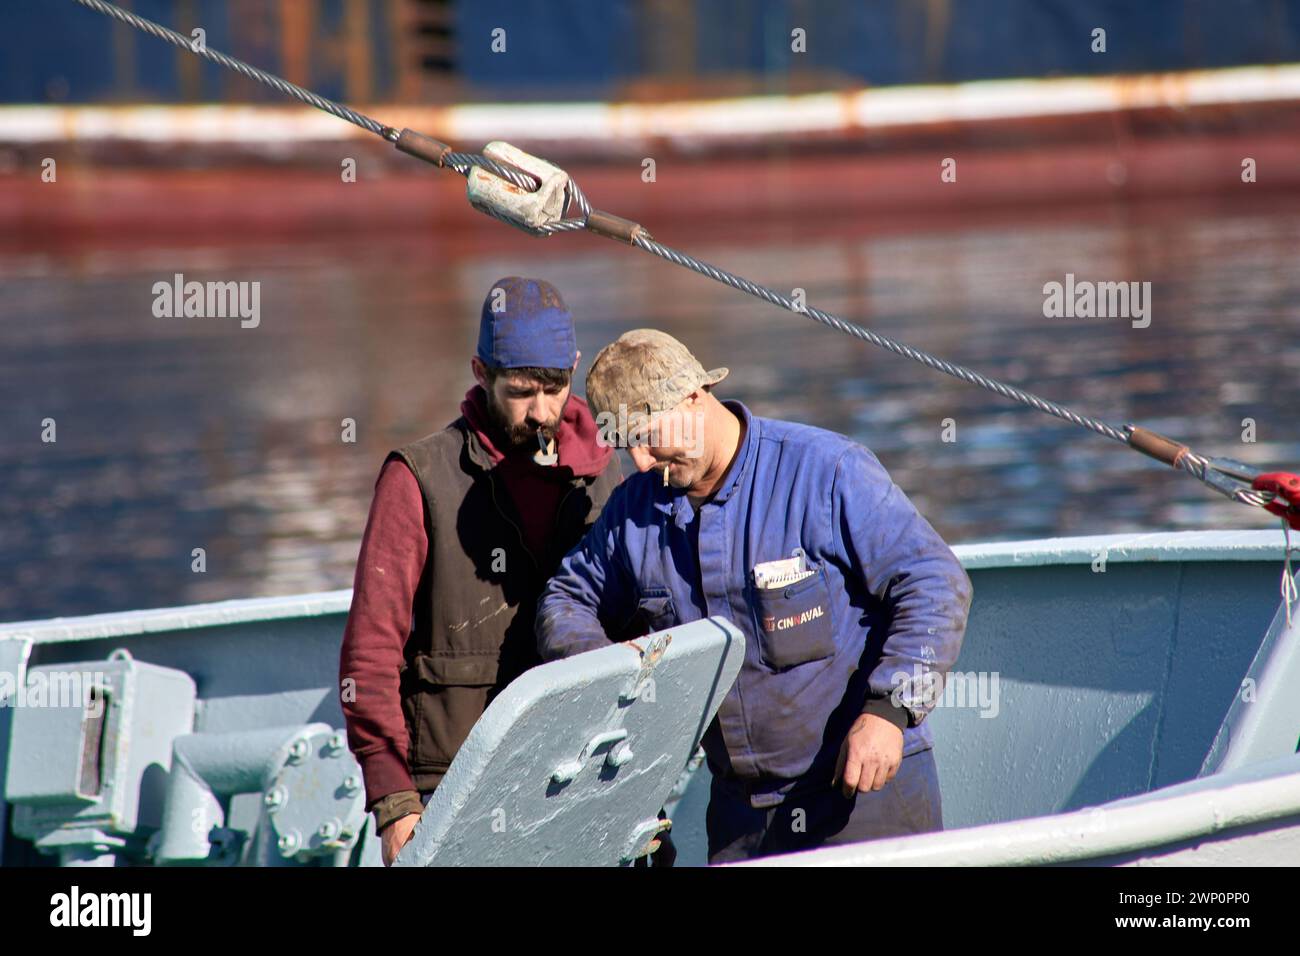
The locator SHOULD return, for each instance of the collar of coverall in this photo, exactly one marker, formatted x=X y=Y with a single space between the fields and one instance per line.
x=676 y=503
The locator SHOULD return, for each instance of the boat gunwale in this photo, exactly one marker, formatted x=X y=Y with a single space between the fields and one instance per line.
x=1199 y=809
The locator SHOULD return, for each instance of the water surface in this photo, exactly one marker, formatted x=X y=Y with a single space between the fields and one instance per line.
x=176 y=434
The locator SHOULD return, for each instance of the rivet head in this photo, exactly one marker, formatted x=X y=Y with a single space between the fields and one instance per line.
x=352 y=783
x=275 y=798
x=289 y=843
x=338 y=743
x=328 y=830
x=299 y=750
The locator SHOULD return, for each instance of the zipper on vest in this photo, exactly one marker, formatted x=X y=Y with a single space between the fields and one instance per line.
x=492 y=485
x=559 y=509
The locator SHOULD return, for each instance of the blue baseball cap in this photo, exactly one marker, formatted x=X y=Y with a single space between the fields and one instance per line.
x=526 y=323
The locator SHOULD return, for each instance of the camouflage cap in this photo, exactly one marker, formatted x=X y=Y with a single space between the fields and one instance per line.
x=642 y=373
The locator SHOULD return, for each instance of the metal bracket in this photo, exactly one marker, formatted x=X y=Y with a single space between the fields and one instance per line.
x=650 y=658
x=643 y=841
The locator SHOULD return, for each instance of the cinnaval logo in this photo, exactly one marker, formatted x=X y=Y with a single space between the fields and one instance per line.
x=103 y=909
x=794 y=620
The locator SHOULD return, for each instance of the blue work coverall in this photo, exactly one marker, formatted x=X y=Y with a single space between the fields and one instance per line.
x=887 y=602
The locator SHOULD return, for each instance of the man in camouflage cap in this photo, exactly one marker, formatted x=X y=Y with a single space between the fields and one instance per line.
x=850 y=602
x=635 y=386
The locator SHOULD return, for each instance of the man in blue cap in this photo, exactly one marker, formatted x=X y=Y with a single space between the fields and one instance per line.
x=466 y=526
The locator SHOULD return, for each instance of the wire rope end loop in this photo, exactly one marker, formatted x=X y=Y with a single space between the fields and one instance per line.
x=421 y=147
x=1286 y=487
x=616 y=227
x=529 y=211
x=1156 y=445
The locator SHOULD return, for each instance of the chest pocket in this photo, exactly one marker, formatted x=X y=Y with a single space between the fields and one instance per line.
x=655 y=611
x=794 y=622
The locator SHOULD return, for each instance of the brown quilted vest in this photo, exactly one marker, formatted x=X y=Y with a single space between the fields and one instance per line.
x=472 y=623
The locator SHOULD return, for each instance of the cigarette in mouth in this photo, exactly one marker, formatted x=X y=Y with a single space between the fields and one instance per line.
x=665 y=476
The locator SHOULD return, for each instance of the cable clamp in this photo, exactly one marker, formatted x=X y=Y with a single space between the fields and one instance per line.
x=529 y=211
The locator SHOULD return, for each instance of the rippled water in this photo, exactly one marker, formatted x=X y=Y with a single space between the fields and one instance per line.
x=175 y=434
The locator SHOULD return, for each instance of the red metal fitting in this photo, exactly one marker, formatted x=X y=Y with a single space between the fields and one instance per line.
x=1287 y=488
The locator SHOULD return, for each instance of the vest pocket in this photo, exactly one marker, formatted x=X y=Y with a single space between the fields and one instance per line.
x=449 y=694
x=794 y=622
x=457 y=670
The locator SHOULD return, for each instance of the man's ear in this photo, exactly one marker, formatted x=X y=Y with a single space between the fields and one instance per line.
x=577 y=357
x=480 y=371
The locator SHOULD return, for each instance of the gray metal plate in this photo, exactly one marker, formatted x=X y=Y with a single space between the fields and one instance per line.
x=570 y=765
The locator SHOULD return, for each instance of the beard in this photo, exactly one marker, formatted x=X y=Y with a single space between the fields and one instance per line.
x=525 y=434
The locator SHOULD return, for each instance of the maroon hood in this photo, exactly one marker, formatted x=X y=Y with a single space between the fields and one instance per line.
x=575 y=441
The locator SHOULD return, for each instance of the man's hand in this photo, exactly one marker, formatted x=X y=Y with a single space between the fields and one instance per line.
x=869 y=756
x=396 y=835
